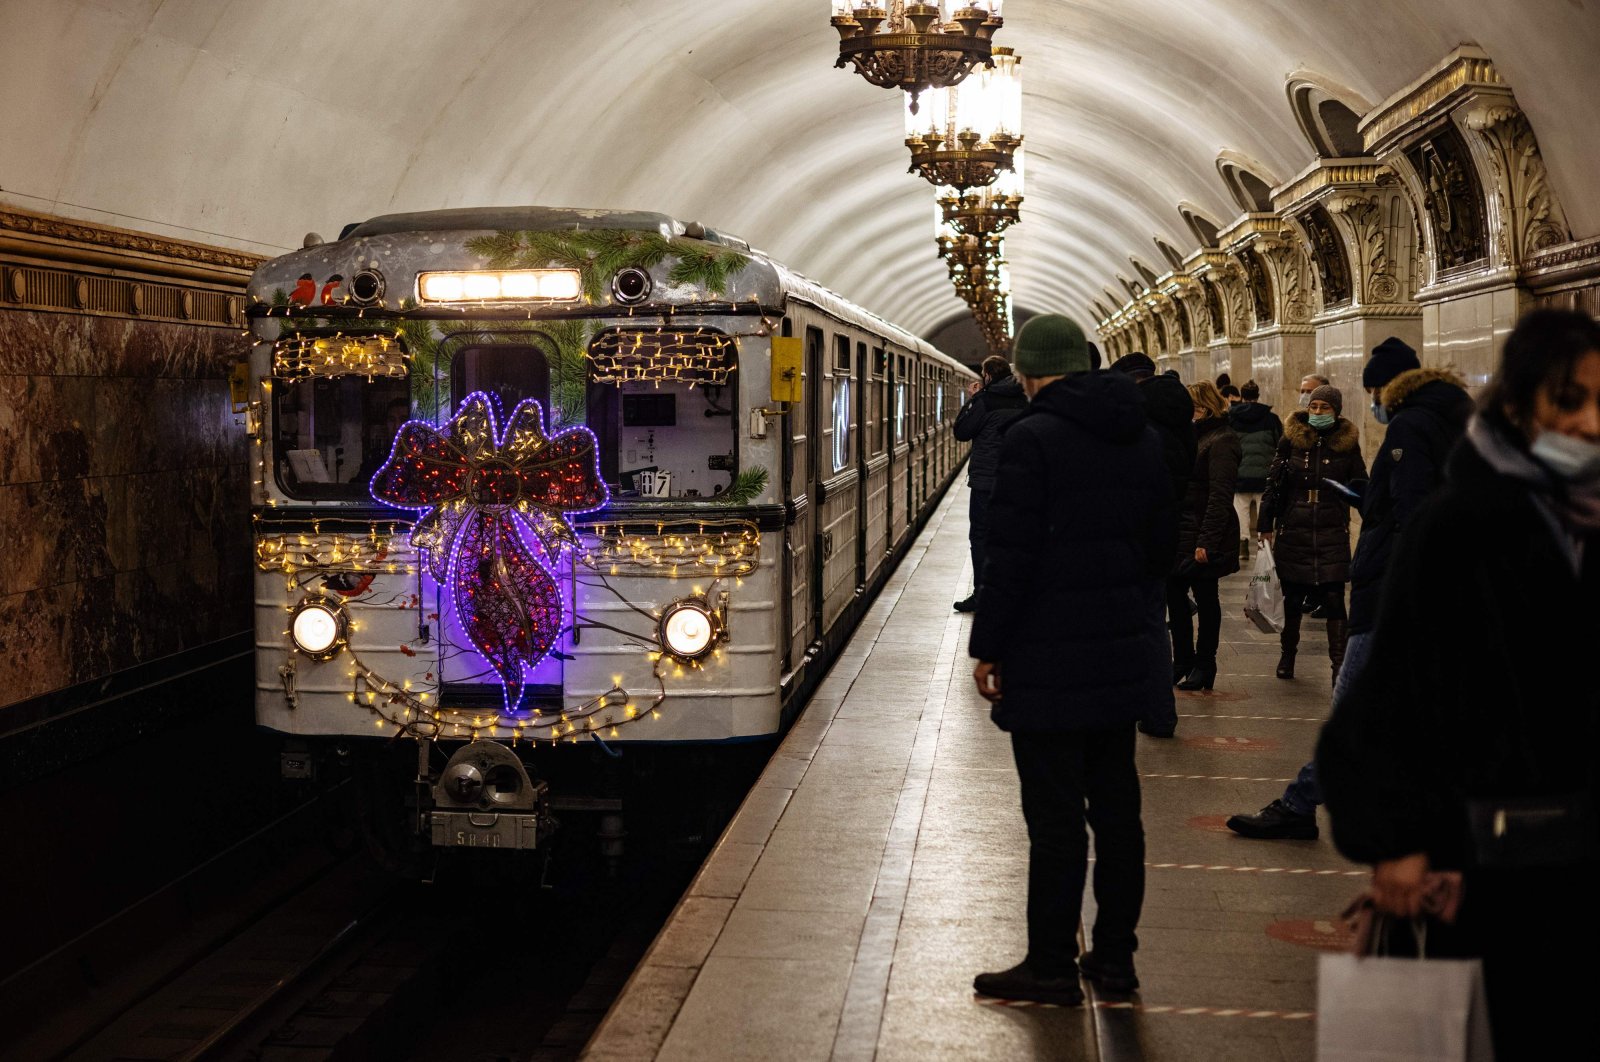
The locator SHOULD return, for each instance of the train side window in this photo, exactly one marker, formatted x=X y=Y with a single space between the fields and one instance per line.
x=872 y=407
x=332 y=434
x=841 y=420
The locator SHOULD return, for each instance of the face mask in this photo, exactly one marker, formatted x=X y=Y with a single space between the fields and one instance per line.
x=1380 y=412
x=1322 y=420
x=1574 y=460
x=1305 y=398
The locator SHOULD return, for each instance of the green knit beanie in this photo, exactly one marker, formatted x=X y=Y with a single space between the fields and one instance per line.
x=1050 y=345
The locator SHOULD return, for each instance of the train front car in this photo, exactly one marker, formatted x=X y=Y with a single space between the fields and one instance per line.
x=506 y=501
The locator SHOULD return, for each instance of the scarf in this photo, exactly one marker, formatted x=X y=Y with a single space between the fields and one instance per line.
x=1571 y=509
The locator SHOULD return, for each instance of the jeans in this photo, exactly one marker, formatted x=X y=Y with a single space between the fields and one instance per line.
x=1185 y=648
x=1304 y=795
x=977 y=531
x=1066 y=778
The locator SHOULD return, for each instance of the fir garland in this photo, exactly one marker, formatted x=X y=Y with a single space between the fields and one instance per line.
x=597 y=255
x=745 y=488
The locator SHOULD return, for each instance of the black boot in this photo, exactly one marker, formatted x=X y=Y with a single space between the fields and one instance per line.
x=1114 y=973
x=1275 y=822
x=1338 y=635
x=1021 y=983
x=1201 y=677
x=1289 y=641
x=968 y=603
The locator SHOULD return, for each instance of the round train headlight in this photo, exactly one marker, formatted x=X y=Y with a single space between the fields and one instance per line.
x=317 y=629
x=631 y=285
x=689 y=628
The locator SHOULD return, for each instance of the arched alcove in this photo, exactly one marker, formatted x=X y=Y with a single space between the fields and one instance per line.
x=1327 y=114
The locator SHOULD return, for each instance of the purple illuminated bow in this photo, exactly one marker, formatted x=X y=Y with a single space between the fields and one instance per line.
x=477 y=489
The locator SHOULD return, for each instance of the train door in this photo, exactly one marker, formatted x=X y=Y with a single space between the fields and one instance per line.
x=803 y=582
x=862 y=412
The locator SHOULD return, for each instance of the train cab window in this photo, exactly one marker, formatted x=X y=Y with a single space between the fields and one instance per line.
x=511 y=373
x=332 y=434
x=661 y=404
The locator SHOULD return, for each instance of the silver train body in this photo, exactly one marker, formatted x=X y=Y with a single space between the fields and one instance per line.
x=761 y=448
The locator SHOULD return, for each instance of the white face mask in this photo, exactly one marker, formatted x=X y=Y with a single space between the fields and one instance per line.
x=1305 y=398
x=1574 y=460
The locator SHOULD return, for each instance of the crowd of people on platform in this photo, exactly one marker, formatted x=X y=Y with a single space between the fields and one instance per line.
x=1107 y=506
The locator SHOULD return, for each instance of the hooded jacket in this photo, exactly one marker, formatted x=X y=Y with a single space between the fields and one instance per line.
x=1208 y=520
x=1310 y=518
x=1259 y=430
x=1429 y=410
x=980 y=421
x=1082 y=535
x=1171 y=413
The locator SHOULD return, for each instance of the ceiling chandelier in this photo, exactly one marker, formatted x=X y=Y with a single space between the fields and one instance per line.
x=985 y=211
x=913 y=47
x=970 y=133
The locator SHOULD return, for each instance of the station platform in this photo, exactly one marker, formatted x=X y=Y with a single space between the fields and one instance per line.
x=881 y=861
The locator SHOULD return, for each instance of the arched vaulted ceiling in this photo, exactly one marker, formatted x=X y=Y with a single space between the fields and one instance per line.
x=249 y=122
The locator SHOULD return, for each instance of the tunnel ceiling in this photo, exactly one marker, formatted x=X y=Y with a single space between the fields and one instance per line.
x=250 y=122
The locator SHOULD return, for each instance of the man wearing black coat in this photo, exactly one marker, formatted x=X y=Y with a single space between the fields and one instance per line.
x=991 y=404
x=1072 y=648
x=1171 y=413
x=1427 y=412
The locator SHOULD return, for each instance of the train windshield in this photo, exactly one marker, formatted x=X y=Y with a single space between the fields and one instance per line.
x=333 y=433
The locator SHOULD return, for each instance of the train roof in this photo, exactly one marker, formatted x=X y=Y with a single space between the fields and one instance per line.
x=536 y=219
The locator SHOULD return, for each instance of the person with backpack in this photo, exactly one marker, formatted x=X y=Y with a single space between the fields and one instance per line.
x=1259 y=430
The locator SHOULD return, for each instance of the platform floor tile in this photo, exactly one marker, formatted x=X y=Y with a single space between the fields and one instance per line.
x=881 y=861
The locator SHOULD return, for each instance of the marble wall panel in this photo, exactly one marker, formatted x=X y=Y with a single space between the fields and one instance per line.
x=124 y=497
x=1466 y=333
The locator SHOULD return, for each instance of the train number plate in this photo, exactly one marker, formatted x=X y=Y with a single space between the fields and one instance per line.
x=470 y=829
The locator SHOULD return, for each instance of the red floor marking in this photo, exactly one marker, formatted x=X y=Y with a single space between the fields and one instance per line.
x=1322 y=934
x=1209 y=823
x=1231 y=744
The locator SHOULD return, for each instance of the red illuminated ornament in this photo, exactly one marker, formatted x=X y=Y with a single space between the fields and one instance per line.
x=478 y=488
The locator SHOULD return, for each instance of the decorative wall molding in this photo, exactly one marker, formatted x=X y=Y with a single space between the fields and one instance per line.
x=58 y=265
x=1463 y=71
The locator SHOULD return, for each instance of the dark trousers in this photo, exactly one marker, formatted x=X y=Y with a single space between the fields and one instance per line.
x=1186 y=649
x=1065 y=779
x=977 y=530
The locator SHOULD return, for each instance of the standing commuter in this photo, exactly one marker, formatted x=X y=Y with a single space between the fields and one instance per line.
x=991 y=402
x=1259 y=430
x=1231 y=394
x=1071 y=649
x=1466 y=743
x=1305 y=517
x=1309 y=384
x=1426 y=411
x=1171 y=413
x=1208 y=527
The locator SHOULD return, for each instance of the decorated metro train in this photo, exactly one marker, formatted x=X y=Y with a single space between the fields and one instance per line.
x=529 y=478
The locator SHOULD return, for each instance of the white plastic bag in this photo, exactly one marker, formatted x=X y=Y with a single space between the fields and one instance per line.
x=1372 y=1009
x=1263 y=600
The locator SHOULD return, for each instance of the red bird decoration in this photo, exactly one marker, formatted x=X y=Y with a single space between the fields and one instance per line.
x=330 y=287
x=304 y=292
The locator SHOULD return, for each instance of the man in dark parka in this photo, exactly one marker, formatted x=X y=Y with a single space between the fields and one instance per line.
x=1072 y=648
x=992 y=403
x=1170 y=411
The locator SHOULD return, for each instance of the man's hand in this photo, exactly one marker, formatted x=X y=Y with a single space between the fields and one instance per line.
x=974 y=387
x=1266 y=537
x=1200 y=557
x=1400 y=885
x=987 y=675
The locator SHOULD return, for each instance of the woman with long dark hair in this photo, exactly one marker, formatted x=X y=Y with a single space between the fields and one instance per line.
x=1465 y=749
x=1305 y=516
x=1208 y=536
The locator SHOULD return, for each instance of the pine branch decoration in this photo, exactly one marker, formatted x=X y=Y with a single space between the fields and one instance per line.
x=745 y=488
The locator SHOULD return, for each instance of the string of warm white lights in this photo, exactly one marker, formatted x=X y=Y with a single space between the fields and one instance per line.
x=370 y=355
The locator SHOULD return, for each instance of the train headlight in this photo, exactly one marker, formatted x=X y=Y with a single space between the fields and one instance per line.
x=689 y=628
x=508 y=285
x=317 y=628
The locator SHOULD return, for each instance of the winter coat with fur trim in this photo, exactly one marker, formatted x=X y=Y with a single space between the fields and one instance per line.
x=1428 y=410
x=1310 y=519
